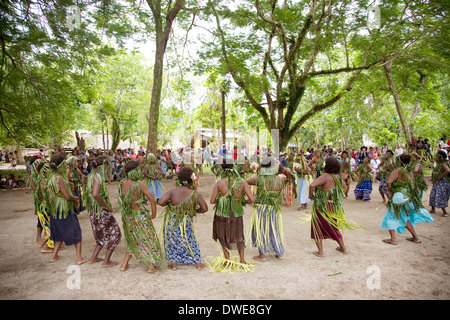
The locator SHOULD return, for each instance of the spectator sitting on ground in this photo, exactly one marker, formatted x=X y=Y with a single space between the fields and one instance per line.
x=20 y=183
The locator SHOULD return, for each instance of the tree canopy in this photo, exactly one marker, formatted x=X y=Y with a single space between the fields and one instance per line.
x=319 y=71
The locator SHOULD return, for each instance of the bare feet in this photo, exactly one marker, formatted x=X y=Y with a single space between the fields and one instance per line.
x=109 y=264
x=200 y=266
x=39 y=242
x=343 y=250
x=415 y=240
x=174 y=266
x=318 y=254
x=46 y=250
x=389 y=241
x=82 y=260
x=91 y=261
x=54 y=258
x=124 y=267
x=261 y=257
x=43 y=243
x=382 y=202
x=278 y=257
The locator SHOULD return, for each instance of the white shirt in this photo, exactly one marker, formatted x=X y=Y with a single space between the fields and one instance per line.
x=398 y=151
x=375 y=163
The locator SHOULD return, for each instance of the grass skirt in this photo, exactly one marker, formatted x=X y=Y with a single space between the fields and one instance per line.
x=266 y=229
x=142 y=240
x=180 y=242
x=406 y=213
x=155 y=187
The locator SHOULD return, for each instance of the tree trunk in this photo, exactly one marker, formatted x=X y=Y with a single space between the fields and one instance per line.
x=115 y=131
x=222 y=118
x=162 y=36
x=398 y=107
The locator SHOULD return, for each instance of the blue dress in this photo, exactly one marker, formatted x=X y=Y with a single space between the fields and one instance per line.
x=155 y=188
x=407 y=210
x=180 y=242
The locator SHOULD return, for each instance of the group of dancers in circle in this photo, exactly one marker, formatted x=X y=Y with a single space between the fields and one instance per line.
x=61 y=193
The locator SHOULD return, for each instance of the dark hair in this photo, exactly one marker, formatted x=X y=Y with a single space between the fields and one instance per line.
x=442 y=153
x=332 y=165
x=131 y=165
x=56 y=160
x=39 y=167
x=98 y=161
x=344 y=152
x=33 y=159
x=185 y=174
x=405 y=158
x=390 y=151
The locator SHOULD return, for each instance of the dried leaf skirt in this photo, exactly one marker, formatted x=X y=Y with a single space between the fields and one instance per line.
x=180 y=242
x=266 y=229
x=142 y=240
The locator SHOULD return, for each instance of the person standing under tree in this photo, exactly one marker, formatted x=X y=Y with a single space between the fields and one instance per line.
x=183 y=203
x=153 y=171
x=404 y=208
x=364 y=186
x=64 y=224
x=266 y=227
x=140 y=234
x=104 y=226
x=346 y=172
x=228 y=196
x=385 y=168
x=327 y=214
x=76 y=179
x=302 y=172
x=440 y=177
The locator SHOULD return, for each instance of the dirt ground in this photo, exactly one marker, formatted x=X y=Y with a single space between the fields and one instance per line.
x=372 y=270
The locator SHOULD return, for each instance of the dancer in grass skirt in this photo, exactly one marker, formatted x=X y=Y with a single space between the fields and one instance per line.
x=364 y=187
x=183 y=203
x=104 y=226
x=327 y=214
x=152 y=172
x=266 y=227
x=139 y=232
x=228 y=196
x=404 y=208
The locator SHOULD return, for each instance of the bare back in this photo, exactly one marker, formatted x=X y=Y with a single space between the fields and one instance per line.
x=326 y=181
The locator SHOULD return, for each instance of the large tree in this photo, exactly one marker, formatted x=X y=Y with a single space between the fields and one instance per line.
x=294 y=60
x=47 y=61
